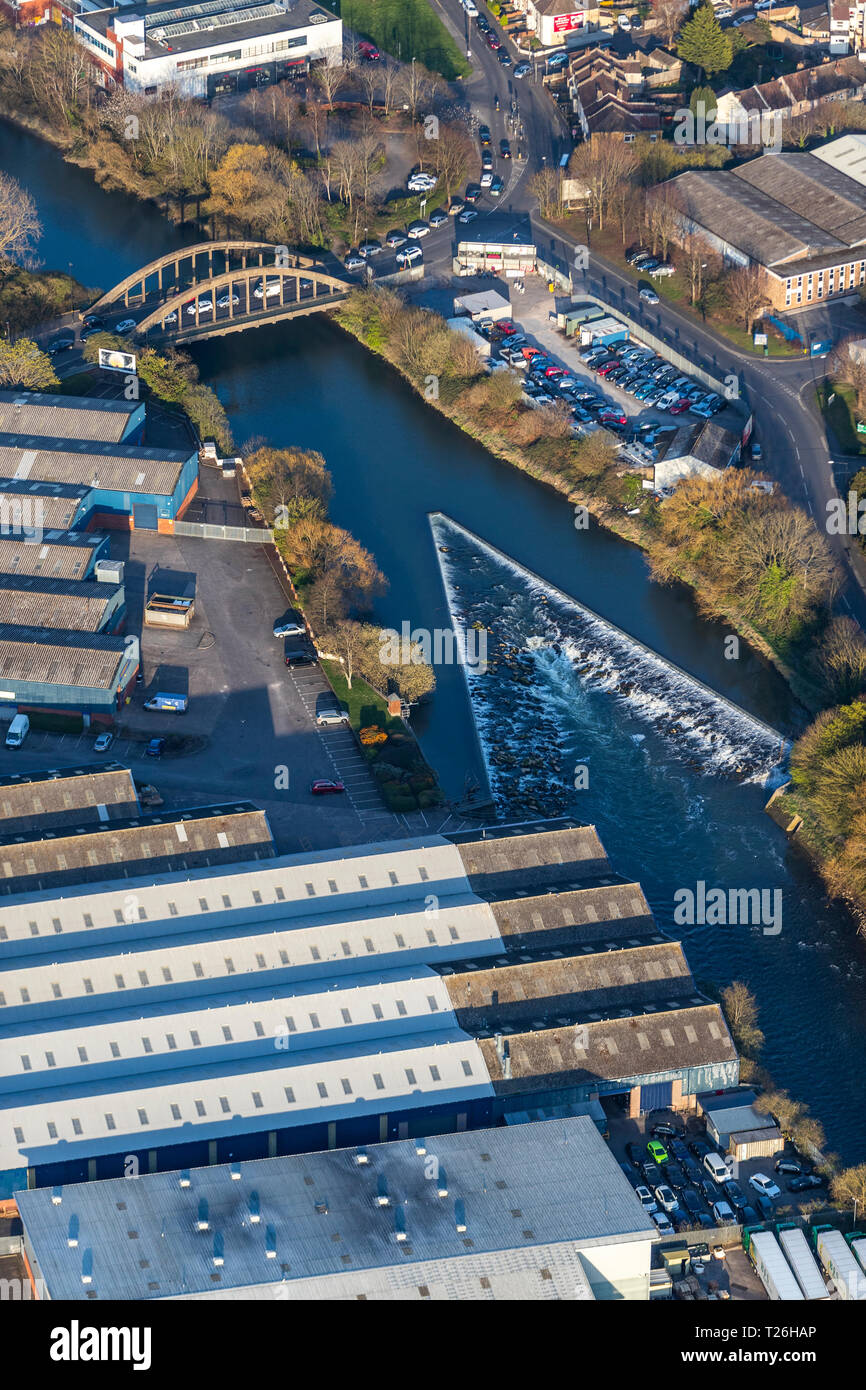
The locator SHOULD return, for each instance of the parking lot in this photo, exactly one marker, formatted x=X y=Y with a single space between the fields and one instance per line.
x=694 y=1192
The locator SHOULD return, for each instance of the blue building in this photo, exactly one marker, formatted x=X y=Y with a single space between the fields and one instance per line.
x=71 y=417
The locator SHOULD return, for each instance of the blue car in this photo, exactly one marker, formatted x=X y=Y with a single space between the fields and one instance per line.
x=155 y=748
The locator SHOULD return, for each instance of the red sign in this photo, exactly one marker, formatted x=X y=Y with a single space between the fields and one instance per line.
x=563 y=22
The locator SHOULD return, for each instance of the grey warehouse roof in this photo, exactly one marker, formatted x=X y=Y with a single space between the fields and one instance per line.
x=115 y=467
x=72 y=604
x=72 y=417
x=61 y=554
x=65 y=797
x=530 y=1197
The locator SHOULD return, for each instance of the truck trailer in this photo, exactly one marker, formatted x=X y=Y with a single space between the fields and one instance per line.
x=858 y=1245
x=803 y=1263
x=840 y=1264
x=773 y=1269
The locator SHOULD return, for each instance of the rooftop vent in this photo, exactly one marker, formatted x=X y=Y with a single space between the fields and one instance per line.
x=184 y=1178
x=442 y=1183
x=202 y=1224
x=460 y=1214
x=382 y=1199
x=400 y=1223
x=56 y=1196
x=254 y=1208
x=218 y=1250
x=236 y=1172
x=361 y=1157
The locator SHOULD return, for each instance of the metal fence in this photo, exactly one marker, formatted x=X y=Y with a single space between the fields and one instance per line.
x=208 y=531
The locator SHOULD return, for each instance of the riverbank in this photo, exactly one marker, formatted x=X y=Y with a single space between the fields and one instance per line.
x=557 y=461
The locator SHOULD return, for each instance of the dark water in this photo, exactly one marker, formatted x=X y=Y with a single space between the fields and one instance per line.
x=667 y=812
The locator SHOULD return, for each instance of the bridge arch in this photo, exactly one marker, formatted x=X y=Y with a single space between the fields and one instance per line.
x=262 y=252
x=326 y=290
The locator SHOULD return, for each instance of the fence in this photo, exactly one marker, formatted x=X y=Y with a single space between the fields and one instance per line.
x=659 y=345
x=208 y=531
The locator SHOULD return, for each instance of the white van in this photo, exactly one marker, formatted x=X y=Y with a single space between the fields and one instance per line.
x=17 y=731
x=176 y=704
x=470 y=7
x=716 y=1167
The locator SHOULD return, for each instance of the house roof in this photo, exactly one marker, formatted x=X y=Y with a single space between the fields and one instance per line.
x=530 y=1197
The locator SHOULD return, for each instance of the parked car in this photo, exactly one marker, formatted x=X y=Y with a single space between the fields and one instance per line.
x=493 y=42
x=409 y=255
x=657 y=1151
x=297 y=653
x=103 y=743
x=663 y=1222
x=723 y=1213
x=661 y=270
x=765 y=1207
x=326 y=786
x=155 y=748
x=481 y=24
x=395 y=239
x=124 y=326
x=90 y=330
x=438 y=218
x=787 y=1165
x=421 y=183
x=806 y=1182
x=767 y=1188
x=691 y=1201
x=666 y=1198
x=468 y=215
x=557 y=60
x=650 y=1172
x=418 y=229
x=749 y=1217
x=369 y=248
x=329 y=710
x=455 y=207
x=368 y=52
x=354 y=262
x=646 y=1199
x=473 y=192
x=292 y=625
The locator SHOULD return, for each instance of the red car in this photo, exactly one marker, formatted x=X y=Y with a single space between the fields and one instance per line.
x=678 y=407
x=611 y=417
x=325 y=786
x=608 y=367
x=369 y=51
x=493 y=42
x=506 y=327
x=554 y=371
x=530 y=354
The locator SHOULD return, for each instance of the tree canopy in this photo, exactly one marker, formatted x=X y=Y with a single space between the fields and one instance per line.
x=704 y=42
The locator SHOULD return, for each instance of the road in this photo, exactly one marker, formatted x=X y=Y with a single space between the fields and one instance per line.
x=780 y=392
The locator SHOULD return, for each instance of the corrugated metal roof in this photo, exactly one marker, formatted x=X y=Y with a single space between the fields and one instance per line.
x=73 y=417
x=56 y=554
x=610 y=913
x=111 y=467
x=76 y=854
x=26 y=507
x=530 y=1197
x=63 y=797
x=68 y=604
x=79 y=659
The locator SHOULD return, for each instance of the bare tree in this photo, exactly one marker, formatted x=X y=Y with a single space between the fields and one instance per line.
x=331 y=77
x=663 y=219
x=450 y=154
x=602 y=164
x=746 y=294
x=668 y=16
x=20 y=228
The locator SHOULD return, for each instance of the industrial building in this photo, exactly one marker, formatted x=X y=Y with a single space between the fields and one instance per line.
x=53 y=554
x=28 y=508
x=81 y=605
x=66 y=796
x=795 y=215
x=496 y=242
x=71 y=417
x=540 y=1211
x=320 y=1001
x=129 y=485
x=69 y=672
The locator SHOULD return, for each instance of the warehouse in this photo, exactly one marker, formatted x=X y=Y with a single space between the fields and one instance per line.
x=130 y=485
x=30 y=508
x=367 y=1018
x=54 y=555
x=67 y=796
x=45 y=859
x=69 y=672
x=423 y=1221
x=495 y=242
x=71 y=417
x=80 y=605
x=795 y=215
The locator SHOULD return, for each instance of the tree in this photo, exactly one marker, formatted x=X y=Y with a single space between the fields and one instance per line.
x=663 y=218
x=704 y=42
x=746 y=294
x=546 y=186
x=842 y=654
x=849 y=1188
x=23 y=365
x=668 y=16
x=603 y=164
x=450 y=153
x=741 y=1011
x=358 y=646
x=286 y=479
x=20 y=227
x=703 y=100
x=331 y=77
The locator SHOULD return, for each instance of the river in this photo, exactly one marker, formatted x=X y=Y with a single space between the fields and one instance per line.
x=666 y=810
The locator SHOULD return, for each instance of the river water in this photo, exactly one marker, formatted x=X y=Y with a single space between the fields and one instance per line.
x=675 y=781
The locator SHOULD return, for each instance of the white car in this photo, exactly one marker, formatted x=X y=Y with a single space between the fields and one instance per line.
x=416 y=230
x=723 y=1213
x=354 y=262
x=103 y=743
x=648 y=295
x=470 y=7
x=467 y=215
x=723 y=11
x=767 y=1188
x=205 y=306
x=272 y=290
x=486 y=178
x=421 y=183
x=409 y=255
x=663 y=1222
x=646 y=1199
x=228 y=299
x=668 y=399
x=124 y=326
x=665 y=1198
x=744 y=19
x=624 y=23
